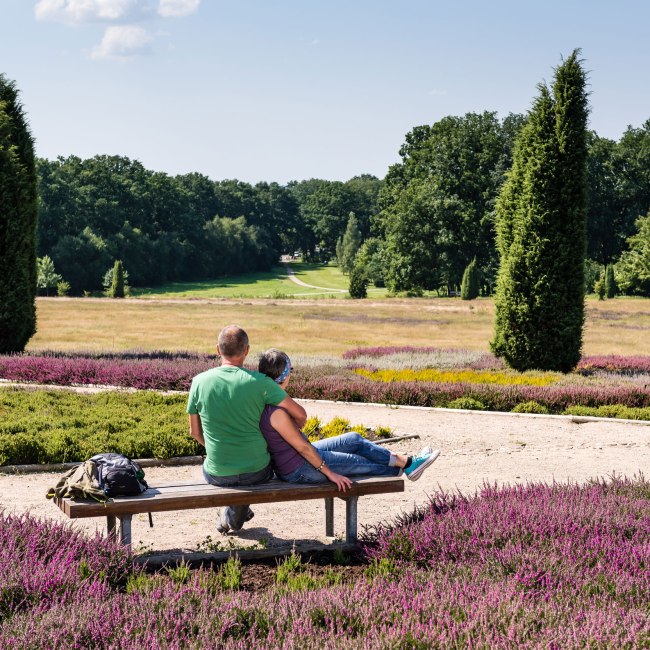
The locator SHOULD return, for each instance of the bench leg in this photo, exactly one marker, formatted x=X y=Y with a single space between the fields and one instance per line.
x=329 y=517
x=110 y=526
x=125 y=530
x=351 y=519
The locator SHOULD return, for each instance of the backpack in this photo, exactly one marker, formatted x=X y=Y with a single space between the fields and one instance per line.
x=81 y=482
x=119 y=475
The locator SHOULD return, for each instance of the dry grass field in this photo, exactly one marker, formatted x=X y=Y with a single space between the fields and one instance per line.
x=316 y=327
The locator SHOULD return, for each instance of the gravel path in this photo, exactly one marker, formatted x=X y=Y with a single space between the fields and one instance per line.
x=476 y=447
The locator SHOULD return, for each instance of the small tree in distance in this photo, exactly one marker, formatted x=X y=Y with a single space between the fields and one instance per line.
x=47 y=277
x=347 y=248
x=470 y=286
x=358 y=283
x=117 y=287
x=610 y=282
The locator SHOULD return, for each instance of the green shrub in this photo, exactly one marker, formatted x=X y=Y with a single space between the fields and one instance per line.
x=335 y=427
x=530 y=407
x=312 y=426
x=230 y=574
x=383 y=432
x=467 y=403
x=610 y=411
x=62 y=288
x=470 y=285
x=358 y=283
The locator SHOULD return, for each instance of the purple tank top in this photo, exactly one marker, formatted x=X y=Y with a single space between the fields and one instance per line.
x=284 y=457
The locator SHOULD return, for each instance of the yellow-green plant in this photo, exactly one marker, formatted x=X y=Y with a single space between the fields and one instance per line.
x=501 y=377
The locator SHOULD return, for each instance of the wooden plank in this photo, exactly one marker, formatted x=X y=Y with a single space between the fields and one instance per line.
x=167 y=498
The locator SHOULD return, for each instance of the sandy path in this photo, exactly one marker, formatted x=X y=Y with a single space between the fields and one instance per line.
x=475 y=447
x=292 y=276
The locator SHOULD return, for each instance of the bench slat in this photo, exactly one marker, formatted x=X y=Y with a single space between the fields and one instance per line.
x=187 y=496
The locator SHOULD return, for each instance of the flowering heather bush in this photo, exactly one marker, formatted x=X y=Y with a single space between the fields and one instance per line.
x=401 y=357
x=615 y=364
x=464 y=376
x=496 y=398
x=599 y=381
x=142 y=370
x=528 y=567
x=42 y=562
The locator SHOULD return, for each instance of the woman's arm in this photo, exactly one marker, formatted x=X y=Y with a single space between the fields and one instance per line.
x=284 y=424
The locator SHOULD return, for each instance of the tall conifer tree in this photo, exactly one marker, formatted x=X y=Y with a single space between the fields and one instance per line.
x=117 y=286
x=541 y=222
x=18 y=214
x=470 y=286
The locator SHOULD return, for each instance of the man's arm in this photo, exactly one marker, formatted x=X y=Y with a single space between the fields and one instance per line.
x=196 y=430
x=294 y=409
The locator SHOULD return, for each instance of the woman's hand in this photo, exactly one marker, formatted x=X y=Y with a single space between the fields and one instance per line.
x=342 y=482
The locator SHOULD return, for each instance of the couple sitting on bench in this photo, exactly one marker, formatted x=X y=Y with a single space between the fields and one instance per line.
x=250 y=429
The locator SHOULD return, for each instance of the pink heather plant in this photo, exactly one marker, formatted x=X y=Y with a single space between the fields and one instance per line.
x=560 y=566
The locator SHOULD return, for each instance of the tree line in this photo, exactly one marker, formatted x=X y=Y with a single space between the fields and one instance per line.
x=438 y=206
x=416 y=230
x=184 y=228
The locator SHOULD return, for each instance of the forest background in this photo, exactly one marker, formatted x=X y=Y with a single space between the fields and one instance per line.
x=417 y=229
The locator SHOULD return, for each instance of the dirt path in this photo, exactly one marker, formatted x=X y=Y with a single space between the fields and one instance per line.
x=292 y=276
x=476 y=447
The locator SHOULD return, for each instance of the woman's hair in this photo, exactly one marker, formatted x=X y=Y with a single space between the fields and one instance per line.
x=273 y=363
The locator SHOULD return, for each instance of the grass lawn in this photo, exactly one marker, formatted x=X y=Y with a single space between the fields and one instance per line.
x=267 y=284
x=318 y=327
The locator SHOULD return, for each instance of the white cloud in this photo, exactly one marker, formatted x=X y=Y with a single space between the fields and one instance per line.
x=74 y=12
x=177 y=8
x=437 y=93
x=122 y=42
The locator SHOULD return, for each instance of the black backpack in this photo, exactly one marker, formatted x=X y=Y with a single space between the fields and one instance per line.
x=119 y=475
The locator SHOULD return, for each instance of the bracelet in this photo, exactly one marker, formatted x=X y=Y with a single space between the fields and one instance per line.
x=320 y=469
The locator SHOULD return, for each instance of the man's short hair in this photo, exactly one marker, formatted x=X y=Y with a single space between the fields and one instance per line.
x=233 y=341
x=273 y=362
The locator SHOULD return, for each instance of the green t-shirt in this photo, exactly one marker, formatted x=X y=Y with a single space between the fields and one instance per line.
x=230 y=400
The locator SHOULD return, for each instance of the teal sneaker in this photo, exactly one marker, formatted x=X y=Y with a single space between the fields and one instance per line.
x=420 y=462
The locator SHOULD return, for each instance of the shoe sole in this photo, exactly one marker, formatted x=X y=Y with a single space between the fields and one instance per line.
x=415 y=475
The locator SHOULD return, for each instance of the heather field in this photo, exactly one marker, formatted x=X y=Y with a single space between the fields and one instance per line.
x=607 y=385
x=553 y=566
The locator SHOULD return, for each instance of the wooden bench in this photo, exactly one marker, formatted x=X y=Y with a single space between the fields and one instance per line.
x=187 y=496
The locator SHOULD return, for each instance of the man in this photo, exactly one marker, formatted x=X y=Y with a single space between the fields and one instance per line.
x=224 y=407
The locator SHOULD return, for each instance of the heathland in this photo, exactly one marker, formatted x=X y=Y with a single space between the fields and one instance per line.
x=311 y=327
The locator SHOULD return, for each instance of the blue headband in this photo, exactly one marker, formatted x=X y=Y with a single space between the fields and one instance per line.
x=285 y=373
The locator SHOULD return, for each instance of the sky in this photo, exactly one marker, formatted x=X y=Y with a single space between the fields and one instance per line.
x=280 y=90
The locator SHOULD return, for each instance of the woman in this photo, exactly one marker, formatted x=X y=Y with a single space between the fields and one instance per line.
x=335 y=459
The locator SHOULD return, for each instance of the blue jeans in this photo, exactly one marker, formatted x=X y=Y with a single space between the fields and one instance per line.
x=237 y=516
x=350 y=455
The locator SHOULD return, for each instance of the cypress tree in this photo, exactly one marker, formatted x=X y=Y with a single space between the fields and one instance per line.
x=350 y=244
x=117 y=288
x=358 y=283
x=469 y=288
x=18 y=214
x=541 y=223
x=610 y=282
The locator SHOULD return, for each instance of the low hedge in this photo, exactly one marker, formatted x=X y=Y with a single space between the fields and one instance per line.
x=38 y=427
